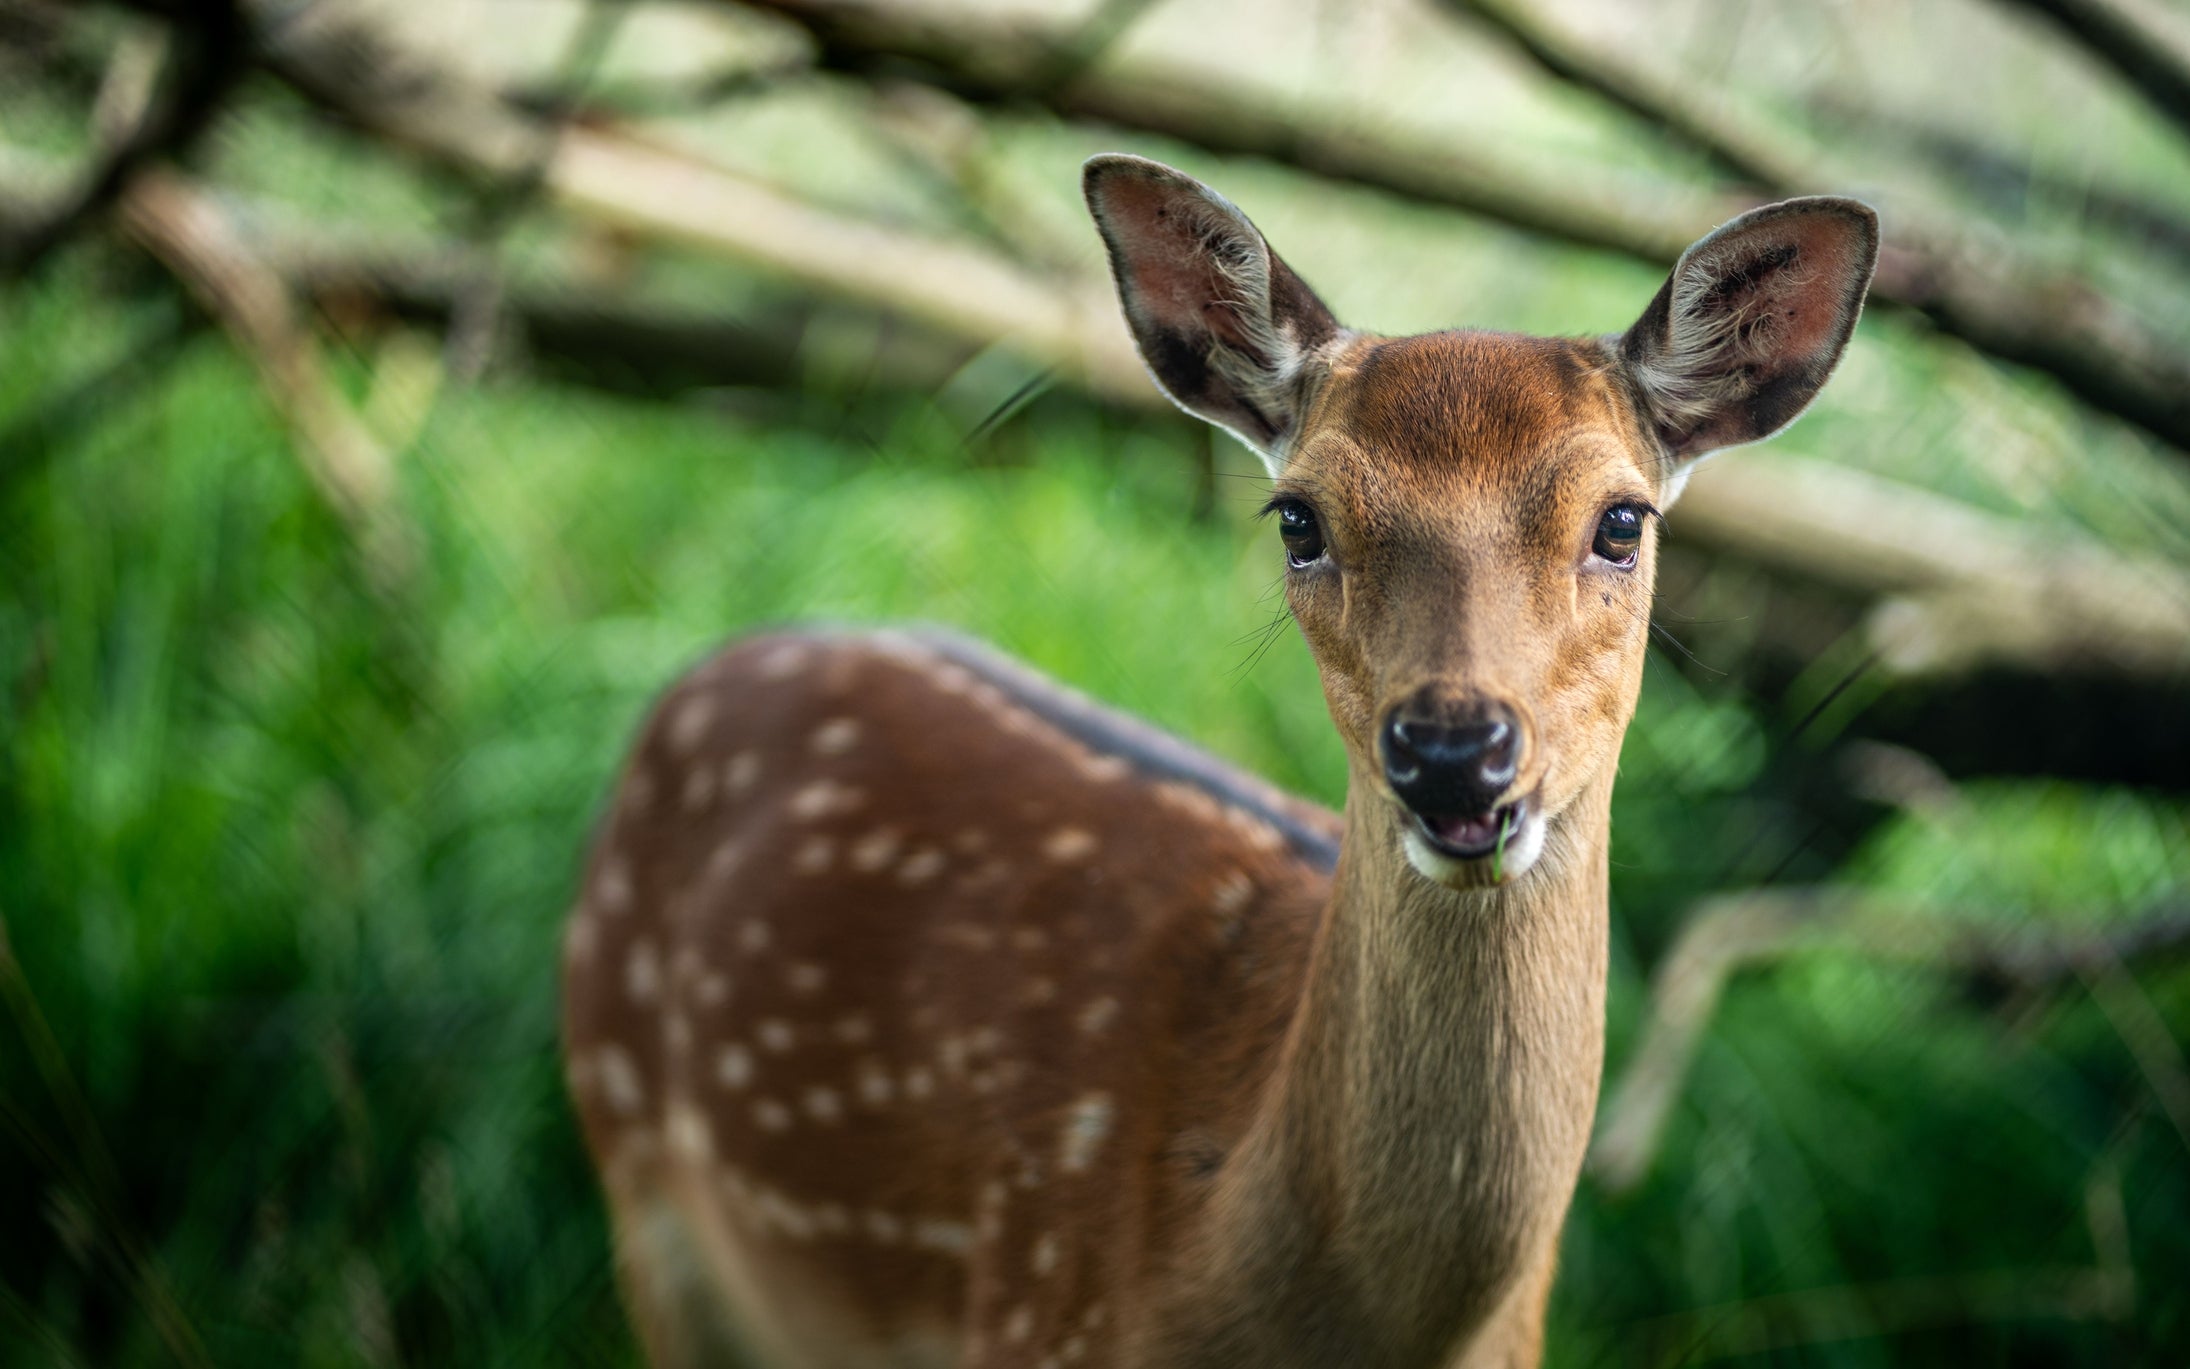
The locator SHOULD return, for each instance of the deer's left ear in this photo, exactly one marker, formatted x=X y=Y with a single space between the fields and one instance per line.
x=1751 y=322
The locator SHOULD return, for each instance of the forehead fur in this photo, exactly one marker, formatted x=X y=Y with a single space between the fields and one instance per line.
x=1466 y=408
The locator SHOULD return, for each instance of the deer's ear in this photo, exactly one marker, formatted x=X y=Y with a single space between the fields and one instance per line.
x=1226 y=328
x=1751 y=322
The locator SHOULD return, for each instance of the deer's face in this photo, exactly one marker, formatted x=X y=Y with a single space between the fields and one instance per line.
x=1465 y=525
x=1467 y=518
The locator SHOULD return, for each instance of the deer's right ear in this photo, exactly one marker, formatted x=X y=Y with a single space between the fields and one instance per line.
x=1226 y=328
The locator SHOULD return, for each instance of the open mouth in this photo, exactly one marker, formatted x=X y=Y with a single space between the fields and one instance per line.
x=1471 y=836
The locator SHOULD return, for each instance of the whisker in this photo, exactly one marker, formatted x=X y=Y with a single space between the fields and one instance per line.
x=1658 y=629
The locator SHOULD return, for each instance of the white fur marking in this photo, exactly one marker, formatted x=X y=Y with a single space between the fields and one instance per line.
x=1085 y=1128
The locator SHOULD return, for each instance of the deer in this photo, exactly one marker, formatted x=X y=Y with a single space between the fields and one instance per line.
x=920 y=1010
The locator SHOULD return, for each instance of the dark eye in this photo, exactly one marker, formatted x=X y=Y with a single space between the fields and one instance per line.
x=1619 y=534
x=1302 y=533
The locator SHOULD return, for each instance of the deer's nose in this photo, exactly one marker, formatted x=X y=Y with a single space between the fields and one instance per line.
x=1459 y=763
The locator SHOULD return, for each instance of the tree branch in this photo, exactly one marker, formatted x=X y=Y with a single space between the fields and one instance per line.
x=644 y=187
x=1744 y=931
x=1666 y=107
x=190 y=235
x=206 y=58
x=2154 y=67
x=2011 y=185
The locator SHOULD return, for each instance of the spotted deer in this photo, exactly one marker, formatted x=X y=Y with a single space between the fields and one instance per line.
x=920 y=1011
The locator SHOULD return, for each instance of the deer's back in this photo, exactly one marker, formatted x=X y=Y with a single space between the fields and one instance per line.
x=923 y=988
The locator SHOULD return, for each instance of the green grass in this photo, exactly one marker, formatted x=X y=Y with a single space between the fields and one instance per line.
x=283 y=857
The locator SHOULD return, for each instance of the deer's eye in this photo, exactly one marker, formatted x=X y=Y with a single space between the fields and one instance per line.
x=1302 y=534
x=1619 y=534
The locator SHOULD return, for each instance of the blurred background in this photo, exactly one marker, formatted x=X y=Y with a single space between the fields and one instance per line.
x=394 y=396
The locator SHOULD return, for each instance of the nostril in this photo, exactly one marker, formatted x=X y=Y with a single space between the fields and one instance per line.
x=1497 y=751
x=1402 y=762
x=1452 y=767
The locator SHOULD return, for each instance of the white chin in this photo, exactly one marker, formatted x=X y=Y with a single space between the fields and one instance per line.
x=1523 y=847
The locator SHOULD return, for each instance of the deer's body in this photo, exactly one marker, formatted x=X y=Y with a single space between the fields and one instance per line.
x=921 y=1012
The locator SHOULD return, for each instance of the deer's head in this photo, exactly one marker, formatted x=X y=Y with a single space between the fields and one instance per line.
x=1467 y=517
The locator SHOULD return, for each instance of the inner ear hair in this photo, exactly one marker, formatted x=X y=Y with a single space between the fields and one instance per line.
x=1226 y=328
x=1751 y=322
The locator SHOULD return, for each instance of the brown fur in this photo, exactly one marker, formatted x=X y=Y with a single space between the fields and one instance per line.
x=921 y=1012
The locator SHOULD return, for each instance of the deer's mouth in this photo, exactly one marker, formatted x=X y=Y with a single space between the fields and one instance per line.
x=1464 y=836
x=1475 y=850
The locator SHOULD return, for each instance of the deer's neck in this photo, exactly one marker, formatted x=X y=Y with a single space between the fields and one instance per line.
x=1419 y=1143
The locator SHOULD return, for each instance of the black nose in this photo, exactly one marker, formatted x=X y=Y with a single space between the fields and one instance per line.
x=1456 y=765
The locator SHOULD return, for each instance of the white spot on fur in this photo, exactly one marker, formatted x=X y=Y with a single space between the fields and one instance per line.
x=1259 y=834
x=1105 y=769
x=806 y=977
x=946 y=1237
x=699 y=789
x=742 y=773
x=643 y=973
x=885 y=1228
x=1030 y=938
x=1068 y=844
x=835 y=737
x=1045 y=1256
x=987 y=875
x=580 y=940
x=770 y=1115
x=734 y=1066
x=619 y=1079
x=754 y=936
x=1084 y=1131
x=776 y=1035
x=1019 y=1325
x=784 y=661
x=823 y=1105
x=1098 y=1014
x=689 y=721
x=815 y=855
x=921 y=866
x=875 y=1085
x=970 y=935
x=688 y=1133
x=712 y=991
x=784 y=1215
x=612 y=886
x=724 y=860
x=825 y=798
x=854 y=1030
x=919 y=1083
x=876 y=849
